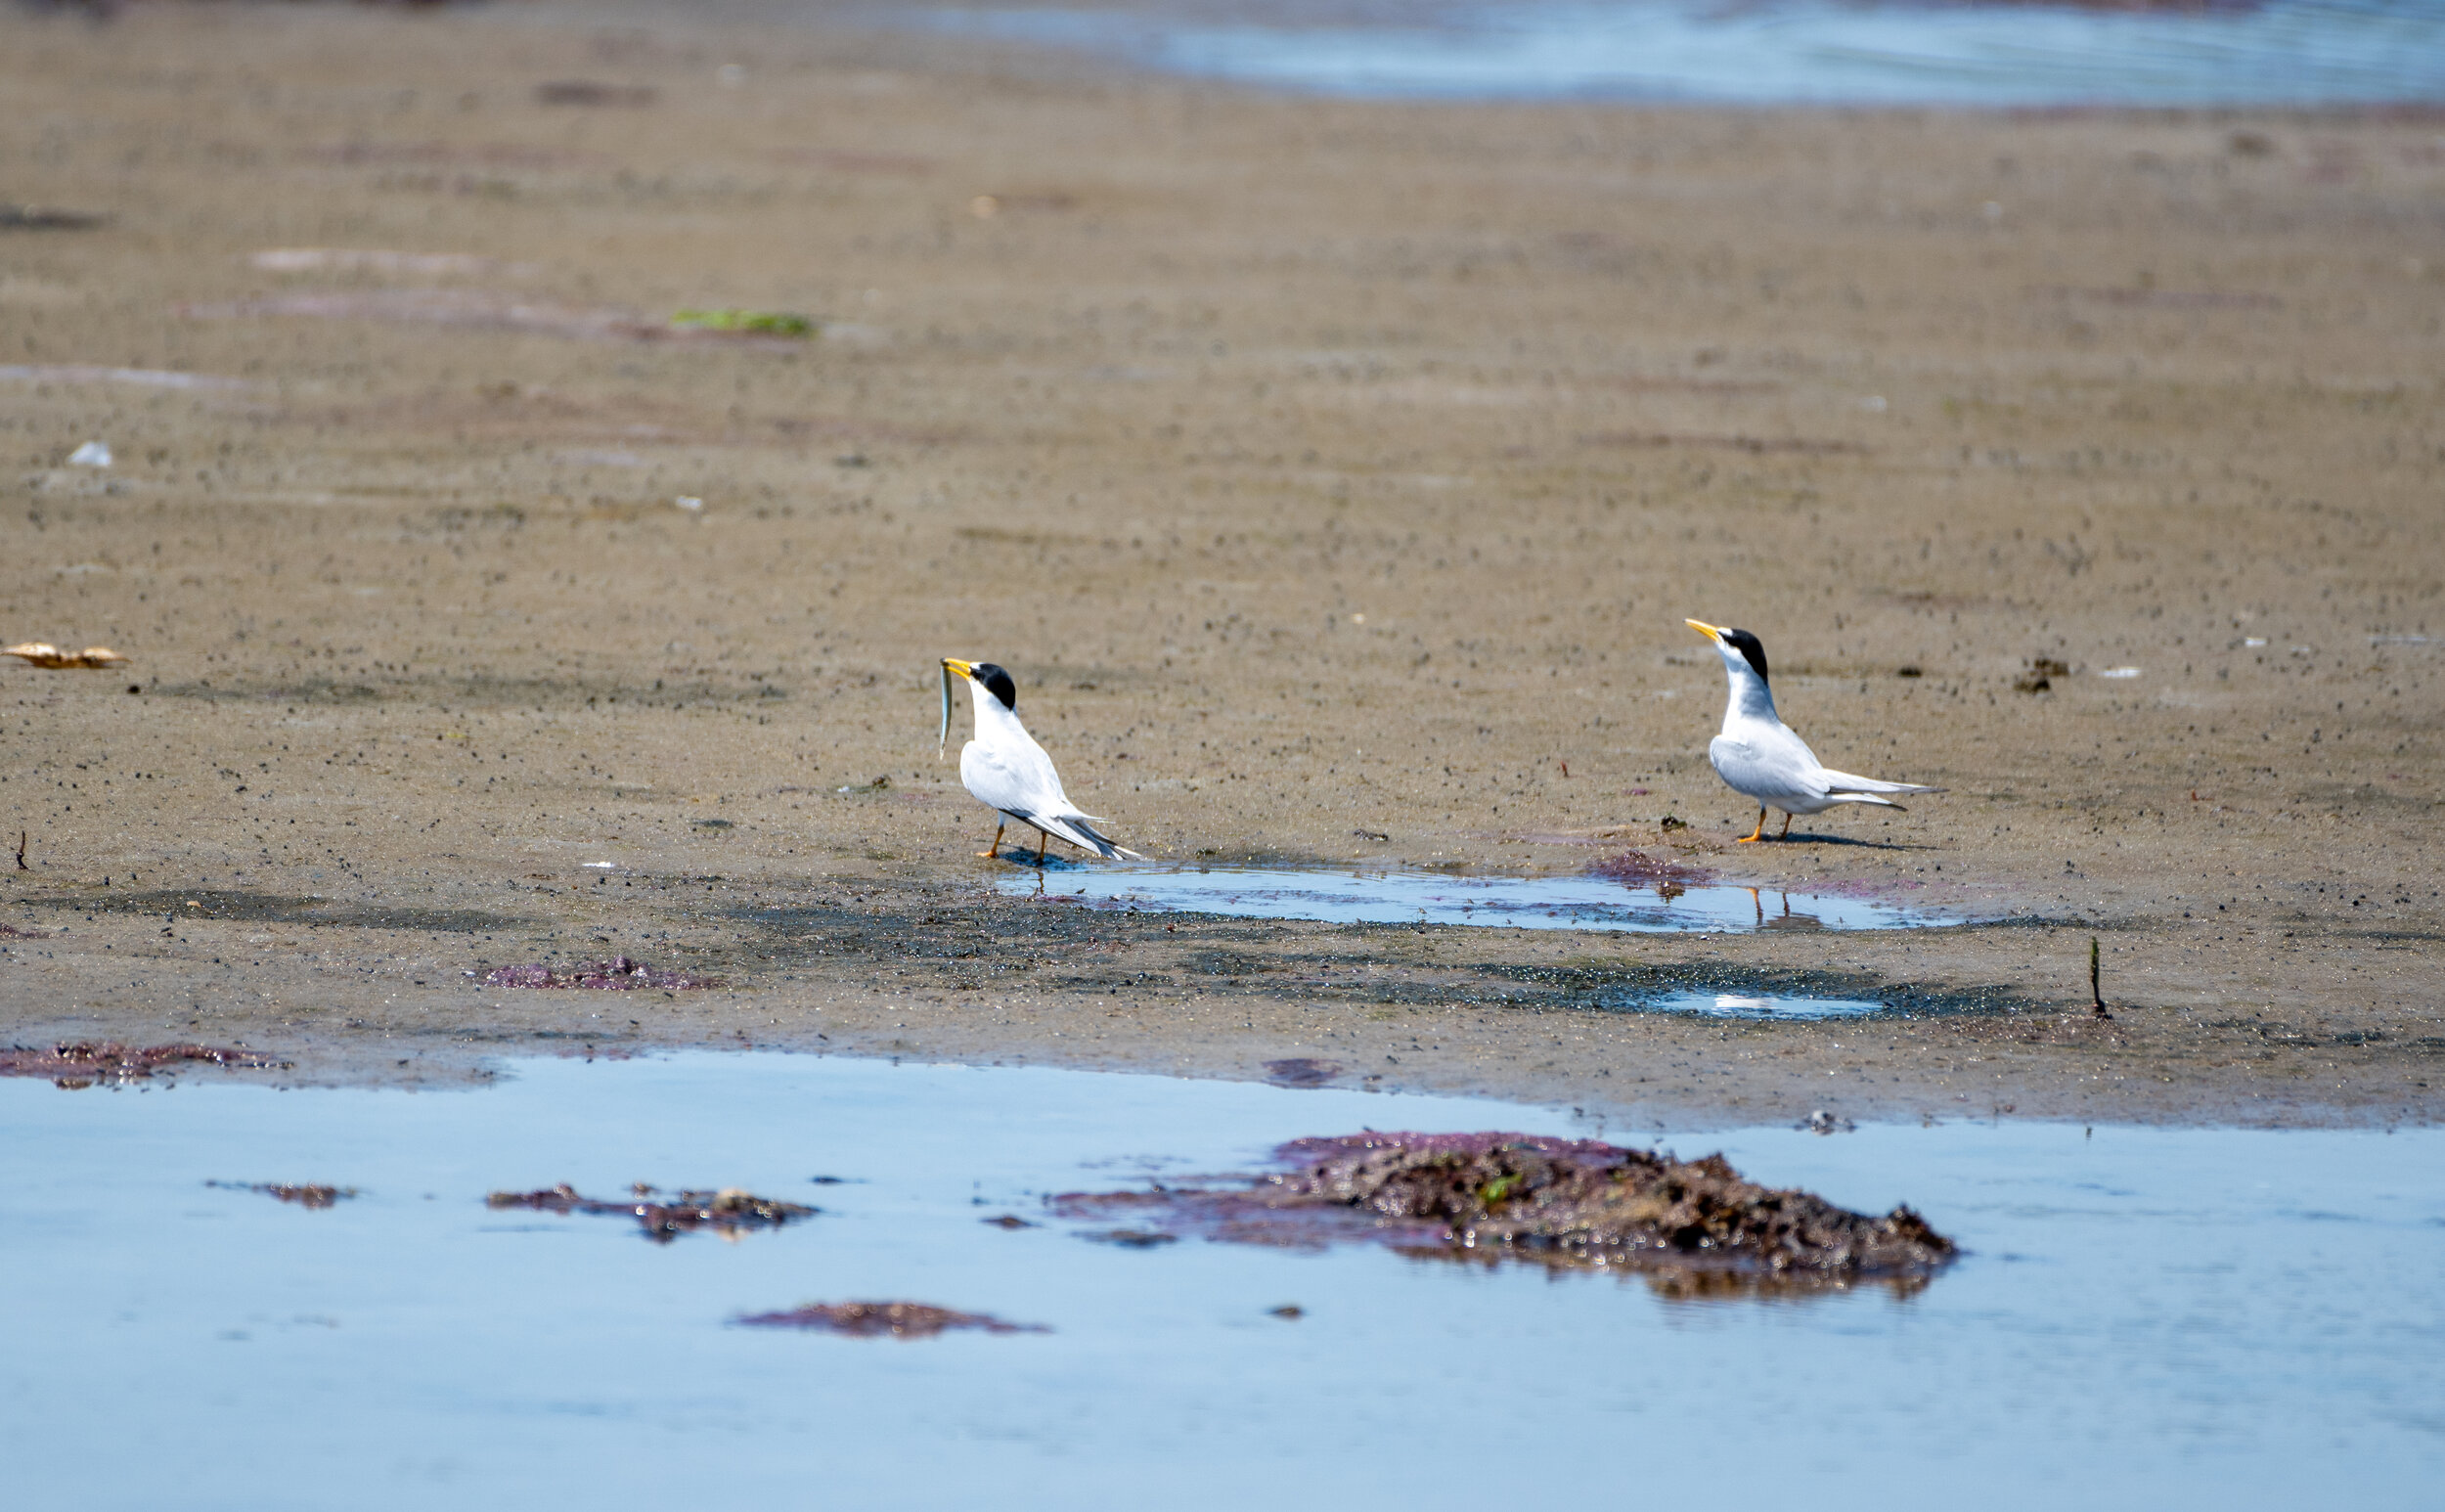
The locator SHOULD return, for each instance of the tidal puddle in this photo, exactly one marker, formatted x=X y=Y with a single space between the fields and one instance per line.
x=1359 y=896
x=1715 y=1004
x=2140 y=1317
x=1769 y=52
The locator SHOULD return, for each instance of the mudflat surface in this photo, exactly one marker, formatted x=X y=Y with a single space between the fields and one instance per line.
x=1334 y=478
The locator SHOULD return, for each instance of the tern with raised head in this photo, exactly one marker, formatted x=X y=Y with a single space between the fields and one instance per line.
x=1010 y=773
x=1762 y=758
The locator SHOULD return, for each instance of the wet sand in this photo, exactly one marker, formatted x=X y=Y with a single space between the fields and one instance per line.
x=1332 y=476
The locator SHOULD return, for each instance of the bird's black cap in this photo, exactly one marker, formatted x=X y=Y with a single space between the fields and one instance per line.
x=998 y=682
x=1751 y=649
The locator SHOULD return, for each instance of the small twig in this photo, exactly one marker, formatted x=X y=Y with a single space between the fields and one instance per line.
x=2096 y=998
x=21 y=851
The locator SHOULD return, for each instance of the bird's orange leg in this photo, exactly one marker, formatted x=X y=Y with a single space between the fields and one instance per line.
x=995 y=849
x=1786 y=829
x=1760 y=833
x=1044 y=843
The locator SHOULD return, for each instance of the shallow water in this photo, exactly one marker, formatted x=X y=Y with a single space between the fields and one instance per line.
x=2146 y=1316
x=1357 y=895
x=1715 y=1004
x=2285 y=52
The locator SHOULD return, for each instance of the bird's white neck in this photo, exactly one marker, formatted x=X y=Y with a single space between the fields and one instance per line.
x=1751 y=698
x=994 y=723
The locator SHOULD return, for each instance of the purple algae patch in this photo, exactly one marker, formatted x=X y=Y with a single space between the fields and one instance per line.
x=884 y=1320
x=728 y=1212
x=82 y=1063
x=1638 y=868
x=1133 y=1238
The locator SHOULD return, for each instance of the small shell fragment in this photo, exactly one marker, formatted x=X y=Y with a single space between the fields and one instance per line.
x=42 y=654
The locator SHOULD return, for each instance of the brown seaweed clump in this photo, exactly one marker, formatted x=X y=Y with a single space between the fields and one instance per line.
x=82 y=1063
x=730 y=1211
x=880 y=1320
x=618 y=974
x=306 y=1194
x=1696 y=1225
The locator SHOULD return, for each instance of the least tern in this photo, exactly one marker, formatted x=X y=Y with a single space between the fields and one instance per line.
x=1761 y=757
x=1010 y=773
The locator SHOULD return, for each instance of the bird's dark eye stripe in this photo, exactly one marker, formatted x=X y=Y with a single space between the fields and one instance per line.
x=1752 y=650
x=997 y=682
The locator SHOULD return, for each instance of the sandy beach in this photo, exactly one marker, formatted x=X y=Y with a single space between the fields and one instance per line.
x=1333 y=476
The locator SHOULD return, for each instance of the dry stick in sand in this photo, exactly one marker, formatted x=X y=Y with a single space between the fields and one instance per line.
x=2096 y=998
x=21 y=851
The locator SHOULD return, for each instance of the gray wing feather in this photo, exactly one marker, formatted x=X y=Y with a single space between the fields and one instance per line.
x=1024 y=785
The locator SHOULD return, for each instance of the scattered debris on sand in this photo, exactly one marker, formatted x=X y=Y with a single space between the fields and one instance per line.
x=730 y=1211
x=81 y=1063
x=1301 y=1071
x=769 y=322
x=1755 y=445
x=306 y=1194
x=880 y=1320
x=350 y=259
x=86 y=373
x=33 y=217
x=42 y=654
x=592 y=93
x=2041 y=673
x=2152 y=299
x=530 y=157
x=1695 y=1227
x=481 y=309
x=618 y=974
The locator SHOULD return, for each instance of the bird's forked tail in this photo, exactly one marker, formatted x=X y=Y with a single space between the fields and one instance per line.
x=1843 y=787
x=1074 y=829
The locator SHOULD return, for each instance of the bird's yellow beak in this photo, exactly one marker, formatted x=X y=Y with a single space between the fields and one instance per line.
x=1703 y=628
x=962 y=668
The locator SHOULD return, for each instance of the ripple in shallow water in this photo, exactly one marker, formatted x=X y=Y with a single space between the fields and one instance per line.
x=1350 y=895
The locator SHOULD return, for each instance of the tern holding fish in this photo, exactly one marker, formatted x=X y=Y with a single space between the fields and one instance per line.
x=1762 y=758
x=1010 y=773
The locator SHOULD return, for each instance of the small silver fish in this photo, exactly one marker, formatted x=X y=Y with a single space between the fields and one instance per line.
x=944 y=741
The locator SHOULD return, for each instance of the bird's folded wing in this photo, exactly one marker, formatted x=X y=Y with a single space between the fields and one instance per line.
x=1764 y=769
x=1011 y=782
